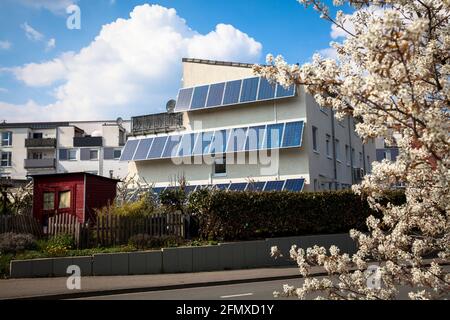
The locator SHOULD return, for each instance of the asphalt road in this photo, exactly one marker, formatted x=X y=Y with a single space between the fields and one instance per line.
x=245 y=291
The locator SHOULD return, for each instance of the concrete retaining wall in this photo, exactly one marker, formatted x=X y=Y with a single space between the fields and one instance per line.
x=225 y=256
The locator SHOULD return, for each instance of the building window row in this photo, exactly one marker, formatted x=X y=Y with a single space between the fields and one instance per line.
x=89 y=154
x=5 y=160
x=6 y=137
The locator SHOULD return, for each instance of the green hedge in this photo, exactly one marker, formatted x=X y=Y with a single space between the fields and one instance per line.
x=251 y=215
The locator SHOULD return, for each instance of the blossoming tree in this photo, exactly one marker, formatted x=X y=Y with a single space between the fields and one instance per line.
x=392 y=73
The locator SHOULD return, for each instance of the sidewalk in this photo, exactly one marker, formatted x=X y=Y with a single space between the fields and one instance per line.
x=55 y=288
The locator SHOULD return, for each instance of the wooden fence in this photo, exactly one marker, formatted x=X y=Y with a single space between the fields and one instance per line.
x=116 y=230
x=20 y=224
x=68 y=224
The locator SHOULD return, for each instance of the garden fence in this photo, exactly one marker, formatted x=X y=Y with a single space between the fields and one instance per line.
x=20 y=224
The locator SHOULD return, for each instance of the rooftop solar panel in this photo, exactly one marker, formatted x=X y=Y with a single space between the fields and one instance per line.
x=215 y=95
x=274 y=134
x=187 y=144
x=255 y=138
x=285 y=92
x=184 y=99
x=142 y=149
x=274 y=185
x=222 y=186
x=266 y=90
x=238 y=186
x=294 y=184
x=158 y=190
x=129 y=149
x=249 y=89
x=219 y=142
x=232 y=92
x=189 y=189
x=171 y=149
x=237 y=139
x=256 y=186
x=293 y=134
x=157 y=147
x=199 y=98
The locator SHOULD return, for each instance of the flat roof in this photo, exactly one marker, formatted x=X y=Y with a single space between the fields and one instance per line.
x=71 y=174
x=219 y=63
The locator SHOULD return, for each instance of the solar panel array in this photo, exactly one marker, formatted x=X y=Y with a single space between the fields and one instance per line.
x=253 y=138
x=294 y=185
x=230 y=93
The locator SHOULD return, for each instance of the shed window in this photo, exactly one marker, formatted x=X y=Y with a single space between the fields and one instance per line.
x=64 y=199
x=49 y=201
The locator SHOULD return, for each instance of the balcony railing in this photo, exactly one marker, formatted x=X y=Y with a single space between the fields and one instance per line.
x=155 y=123
x=40 y=143
x=88 y=141
x=39 y=163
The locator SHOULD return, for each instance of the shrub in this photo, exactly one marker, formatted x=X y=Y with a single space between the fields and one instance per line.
x=59 y=245
x=16 y=242
x=145 y=241
x=174 y=199
x=227 y=215
x=143 y=207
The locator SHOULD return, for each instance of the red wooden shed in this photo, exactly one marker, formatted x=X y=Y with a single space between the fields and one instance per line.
x=77 y=193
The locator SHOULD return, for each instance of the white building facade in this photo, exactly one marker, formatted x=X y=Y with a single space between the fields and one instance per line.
x=58 y=147
x=237 y=131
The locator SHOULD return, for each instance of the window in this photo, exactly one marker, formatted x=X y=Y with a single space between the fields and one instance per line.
x=387 y=155
x=338 y=150
x=347 y=154
x=64 y=200
x=6 y=139
x=72 y=154
x=49 y=200
x=220 y=166
x=327 y=143
x=37 y=135
x=353 y=157
x=314 y=138
x=36 y=155
x=93 y=154
x=5 y=159
x=117 y=153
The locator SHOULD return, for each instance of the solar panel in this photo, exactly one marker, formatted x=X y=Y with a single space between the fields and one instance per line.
x=237 y=140
x=171 y=149
x=215 y=95
x=189 y=189
x=187 y=144
x=199 y=98
x=232 y=91
x=249 y=89
x=158 y=190
x=285 y=92
x=157 y=147
x=219 y=142
x=255 y=138
x=256 y=186
x=266 y=90
x=293 y=134
x=238 y=186
x=222 y=186
x=274 y=134
x=276 y=185
x=294 y=184
x=184 y=99
x=128 y=150
x=142 y=149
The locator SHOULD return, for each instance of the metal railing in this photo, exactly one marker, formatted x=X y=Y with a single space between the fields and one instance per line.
x=155 y=123
x=88 y=141
x=40 y=142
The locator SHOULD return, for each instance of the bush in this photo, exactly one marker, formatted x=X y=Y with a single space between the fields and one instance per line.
x=145 y=241
x=143 y=207
x=16 y=242
x=59 y=245
x=251 y=215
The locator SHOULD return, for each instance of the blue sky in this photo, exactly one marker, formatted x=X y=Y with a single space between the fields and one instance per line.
x=47 y=72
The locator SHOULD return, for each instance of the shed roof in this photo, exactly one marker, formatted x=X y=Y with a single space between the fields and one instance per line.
x=65 y=174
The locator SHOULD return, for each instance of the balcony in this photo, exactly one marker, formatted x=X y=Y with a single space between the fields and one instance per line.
x=39 y=163
x=40 y=143
x=156 y=123
x=88 y=141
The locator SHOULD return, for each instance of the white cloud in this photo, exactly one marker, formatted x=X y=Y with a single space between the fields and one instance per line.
x=55 y=6
x=3 y=90
x=32 y=33
x=132 y=67
x=5 y=45
x=51 y=44
x=329 y=53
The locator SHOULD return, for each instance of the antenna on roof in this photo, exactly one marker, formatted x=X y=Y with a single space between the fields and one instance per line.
x=170 y=106
x=119 y=121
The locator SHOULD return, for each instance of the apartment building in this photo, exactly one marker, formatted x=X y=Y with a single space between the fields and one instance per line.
x=237 y=131
x=59 y=147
